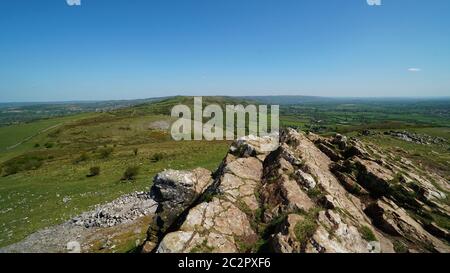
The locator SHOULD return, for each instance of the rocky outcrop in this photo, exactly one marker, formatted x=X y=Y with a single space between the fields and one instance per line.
x=416 y=138
x=175 y=191
x=306 y=194
x=215 y=226
x=222 y=224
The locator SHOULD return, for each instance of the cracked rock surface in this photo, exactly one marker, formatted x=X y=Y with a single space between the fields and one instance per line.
x=310 y=194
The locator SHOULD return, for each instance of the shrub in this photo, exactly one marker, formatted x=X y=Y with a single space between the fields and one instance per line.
x=94 y=171
x=316 y=193
x=22 y=163
x=49 y=145
x=106 y=152
x=55 y=133
x=305 y=229
x=135 y=151
x=130 y=173
x=367 y=234
x=400 y=247
x=37 y=145
x=10 y=169
x=404 y=196
x=157 y=157
x=83 y=157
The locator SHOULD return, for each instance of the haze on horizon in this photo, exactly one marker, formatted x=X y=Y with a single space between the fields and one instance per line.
x=117 y=49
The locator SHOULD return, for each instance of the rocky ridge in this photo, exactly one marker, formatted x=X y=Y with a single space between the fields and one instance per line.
x=310 y=194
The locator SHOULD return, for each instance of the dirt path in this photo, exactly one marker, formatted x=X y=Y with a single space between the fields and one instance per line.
x=30 y=137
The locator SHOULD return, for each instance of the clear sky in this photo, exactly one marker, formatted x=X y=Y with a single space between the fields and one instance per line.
x=125 y=49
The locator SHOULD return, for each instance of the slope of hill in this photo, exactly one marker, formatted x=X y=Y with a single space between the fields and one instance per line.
x=51 y=176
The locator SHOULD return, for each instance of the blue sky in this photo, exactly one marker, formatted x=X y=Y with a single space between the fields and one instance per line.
x=125 y=49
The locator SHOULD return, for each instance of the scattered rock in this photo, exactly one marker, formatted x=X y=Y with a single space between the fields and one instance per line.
x=416 y=138
x=121 y=214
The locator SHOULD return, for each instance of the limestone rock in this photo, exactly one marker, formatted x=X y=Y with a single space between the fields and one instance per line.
x=253 y=146
x=217 y=226
x=305 y=179
x=396 y=221
x=284 y=239
x=175 y=191
x=336 y=236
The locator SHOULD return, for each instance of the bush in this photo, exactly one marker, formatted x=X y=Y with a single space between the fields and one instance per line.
x=22 y=163
x=157 y=157
x=106 y=152
x=83 y=157
x=94 y=171
x=367 y=234
x=135 y=151
x=55 y=133
x=130 y=173
x=316 y=193
x=400 y=247
x=37 y=145
x=49 y=145
x=404 y=196
x=305 y=229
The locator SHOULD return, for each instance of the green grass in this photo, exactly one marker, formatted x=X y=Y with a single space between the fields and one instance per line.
x=435 y=157
x=34 y=199
x=30 y=133
x=306 y=228
x=367 y=234
x=400 y=247
x=32 y=196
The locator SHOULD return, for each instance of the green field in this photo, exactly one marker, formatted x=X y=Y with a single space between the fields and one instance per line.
x=58 y=187
x=27 y=134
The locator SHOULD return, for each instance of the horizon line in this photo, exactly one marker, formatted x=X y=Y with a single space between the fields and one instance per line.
x=230 y=96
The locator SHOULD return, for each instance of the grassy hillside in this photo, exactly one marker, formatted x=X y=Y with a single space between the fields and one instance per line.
x=45 y=179
x=19 y=138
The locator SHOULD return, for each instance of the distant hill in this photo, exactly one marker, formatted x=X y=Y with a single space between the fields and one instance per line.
x=164 y=106
x=294 y=100
x=15 y=113
x=20 y=112
x=288 y=100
